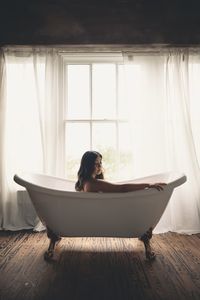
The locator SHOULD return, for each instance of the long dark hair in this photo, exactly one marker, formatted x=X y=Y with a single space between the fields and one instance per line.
x=87 y=168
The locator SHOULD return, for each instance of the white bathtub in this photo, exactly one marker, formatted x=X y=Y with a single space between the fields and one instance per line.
x=68 y=213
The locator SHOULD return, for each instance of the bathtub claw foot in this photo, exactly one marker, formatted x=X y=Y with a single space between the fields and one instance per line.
x=48 y=255
x=54 y=239
x=145 y=238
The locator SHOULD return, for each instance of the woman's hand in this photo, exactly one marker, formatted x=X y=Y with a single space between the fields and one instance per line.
x=158 y=186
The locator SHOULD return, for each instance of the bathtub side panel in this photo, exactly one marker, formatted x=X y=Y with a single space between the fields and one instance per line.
x=122 y=217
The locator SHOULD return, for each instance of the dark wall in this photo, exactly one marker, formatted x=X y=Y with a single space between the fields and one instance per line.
x=100 y=22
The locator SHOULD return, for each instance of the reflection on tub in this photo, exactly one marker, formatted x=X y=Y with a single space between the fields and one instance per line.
x=67 y=213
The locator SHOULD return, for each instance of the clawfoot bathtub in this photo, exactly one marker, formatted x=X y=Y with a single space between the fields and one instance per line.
x=67 y=213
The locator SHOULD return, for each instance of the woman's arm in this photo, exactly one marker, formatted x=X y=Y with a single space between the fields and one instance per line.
x=98 y=185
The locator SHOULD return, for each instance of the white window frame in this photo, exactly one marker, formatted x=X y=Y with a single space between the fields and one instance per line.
x=89 y=59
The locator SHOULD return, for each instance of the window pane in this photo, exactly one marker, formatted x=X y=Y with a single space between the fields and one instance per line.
x=104 y=91
x=77 y=141
x=104 y=141
x=78 y=92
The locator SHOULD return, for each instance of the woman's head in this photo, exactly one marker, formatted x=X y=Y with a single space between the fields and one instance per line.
x=90 y=167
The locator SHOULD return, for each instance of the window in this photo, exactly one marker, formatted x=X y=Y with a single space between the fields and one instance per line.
x=96 y=114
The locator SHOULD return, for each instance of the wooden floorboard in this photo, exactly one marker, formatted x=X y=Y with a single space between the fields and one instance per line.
x=99 y=268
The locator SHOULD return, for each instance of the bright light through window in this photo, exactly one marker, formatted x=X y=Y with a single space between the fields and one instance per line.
x=78 y=91
x=106 y=105
x=104 y=91
x=96 y=117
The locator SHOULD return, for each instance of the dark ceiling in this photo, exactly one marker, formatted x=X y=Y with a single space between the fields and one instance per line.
x=100 y=22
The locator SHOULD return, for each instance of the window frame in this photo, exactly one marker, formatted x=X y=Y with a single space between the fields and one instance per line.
x=90 y=59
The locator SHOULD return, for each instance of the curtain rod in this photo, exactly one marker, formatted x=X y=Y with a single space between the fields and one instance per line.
x=127 y=49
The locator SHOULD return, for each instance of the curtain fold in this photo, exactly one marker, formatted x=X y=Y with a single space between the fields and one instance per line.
x=50 y=109
x=160 y=102
x=31 y=128
x=185 y=205
x=21 y=140
x=2 y=132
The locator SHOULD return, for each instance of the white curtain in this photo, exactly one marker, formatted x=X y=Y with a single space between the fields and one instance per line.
x=51 y=107
x=160 y=92
x=32 y=133
x=2 y=133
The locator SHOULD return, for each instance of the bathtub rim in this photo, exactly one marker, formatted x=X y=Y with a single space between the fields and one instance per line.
x=180 y=178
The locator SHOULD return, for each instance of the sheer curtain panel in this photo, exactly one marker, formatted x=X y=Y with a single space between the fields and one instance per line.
x=160 y=96
x=31 y=128
x=48 y=68
x=2 y=134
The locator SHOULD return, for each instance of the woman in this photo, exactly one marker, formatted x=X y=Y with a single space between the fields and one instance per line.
x=91 y=179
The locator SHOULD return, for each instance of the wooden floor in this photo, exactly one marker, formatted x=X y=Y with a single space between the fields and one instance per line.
x=99 y=268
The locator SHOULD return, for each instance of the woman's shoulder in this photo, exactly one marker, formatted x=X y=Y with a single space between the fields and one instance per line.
x=88 y=185
x=92 y=185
